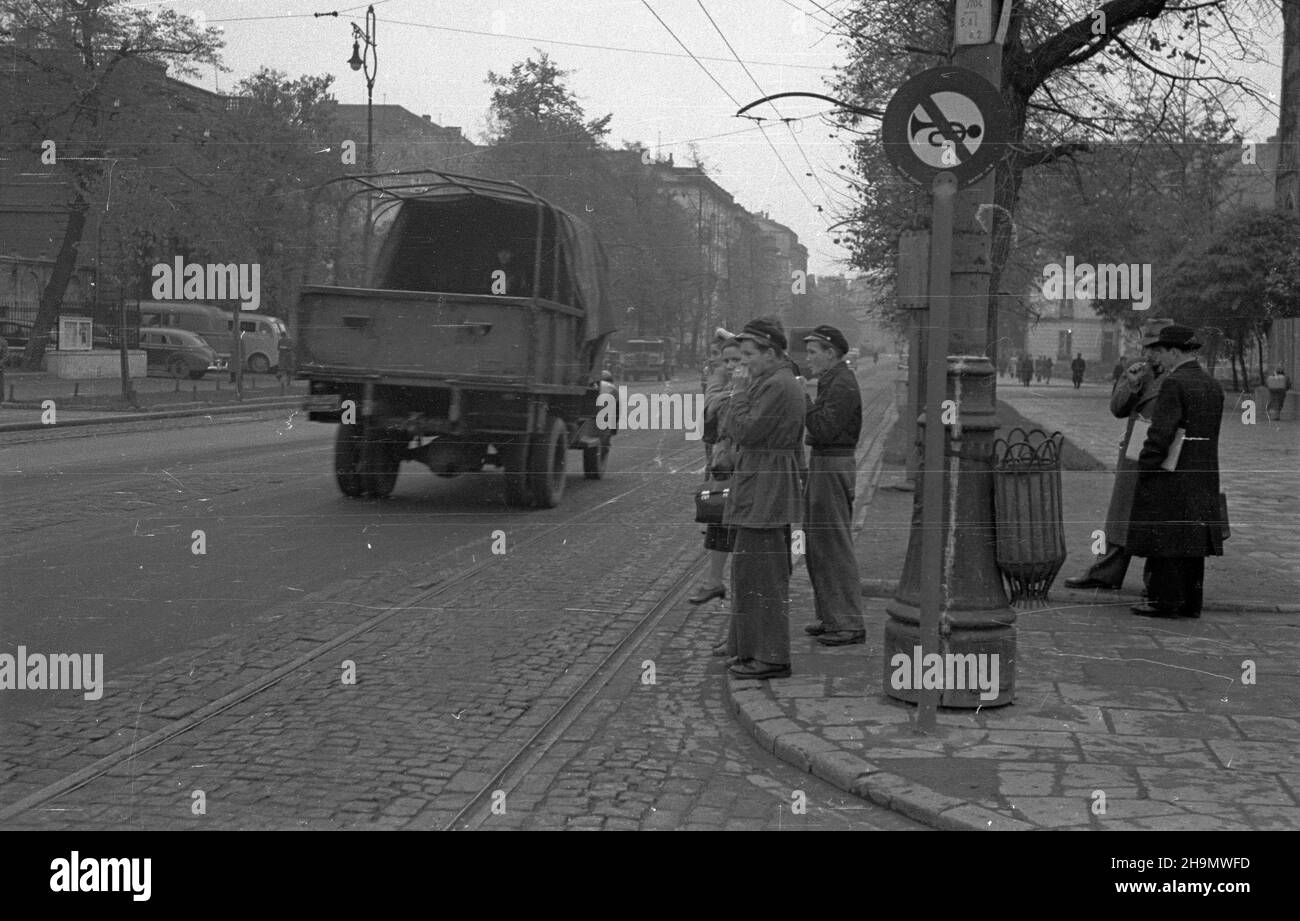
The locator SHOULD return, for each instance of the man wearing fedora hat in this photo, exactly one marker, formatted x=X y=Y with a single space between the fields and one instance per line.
x=1176 y=519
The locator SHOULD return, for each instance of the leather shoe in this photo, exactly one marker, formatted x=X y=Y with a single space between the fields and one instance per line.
x=1147 y=609
x=759 y=670
x=843 y=638
x=703 y=594
x=1088 y=582
x=816 y=629
x=720 y=650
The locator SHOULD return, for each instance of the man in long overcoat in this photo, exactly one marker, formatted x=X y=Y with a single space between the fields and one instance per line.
x=1176 y=520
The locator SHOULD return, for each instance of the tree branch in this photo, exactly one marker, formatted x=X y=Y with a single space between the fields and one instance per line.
x=1061 y=49
x=1023 y=159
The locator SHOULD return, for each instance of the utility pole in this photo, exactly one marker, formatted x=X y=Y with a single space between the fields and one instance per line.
x=950 y=598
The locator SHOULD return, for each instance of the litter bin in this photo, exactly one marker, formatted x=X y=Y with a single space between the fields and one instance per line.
x=1030 y=531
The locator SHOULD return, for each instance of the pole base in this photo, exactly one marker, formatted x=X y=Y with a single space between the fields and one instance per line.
x=976 y=665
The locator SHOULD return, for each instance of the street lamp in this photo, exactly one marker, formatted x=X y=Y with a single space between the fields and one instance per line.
x=368 y=62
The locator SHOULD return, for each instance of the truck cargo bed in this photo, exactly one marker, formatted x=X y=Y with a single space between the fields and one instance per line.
x=415 y=335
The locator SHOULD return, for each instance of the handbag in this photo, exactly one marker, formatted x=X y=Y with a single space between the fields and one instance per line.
x=710 y=501
x=1138 y=437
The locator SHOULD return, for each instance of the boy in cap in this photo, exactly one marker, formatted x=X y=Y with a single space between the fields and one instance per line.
x=834 y=424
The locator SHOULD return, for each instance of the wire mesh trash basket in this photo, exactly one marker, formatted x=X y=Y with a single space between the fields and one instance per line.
x=1030 y=532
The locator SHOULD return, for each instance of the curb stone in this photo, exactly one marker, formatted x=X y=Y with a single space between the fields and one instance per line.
x=792 y=744
x=886 y=588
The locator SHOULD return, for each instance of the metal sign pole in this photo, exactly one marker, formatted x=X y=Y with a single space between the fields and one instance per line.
x=943 y=193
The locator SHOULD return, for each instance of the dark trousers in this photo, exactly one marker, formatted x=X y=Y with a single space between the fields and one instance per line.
x=1176 y=582
x=760 y=595
x=832 y=564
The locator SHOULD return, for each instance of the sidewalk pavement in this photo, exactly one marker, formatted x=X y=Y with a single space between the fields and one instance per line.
x=99 y=400
x=1118 y=722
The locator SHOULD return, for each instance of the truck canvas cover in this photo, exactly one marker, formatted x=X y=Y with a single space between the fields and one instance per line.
x=446 y=240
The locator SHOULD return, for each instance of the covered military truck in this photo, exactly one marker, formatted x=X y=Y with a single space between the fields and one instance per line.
x=473 y=336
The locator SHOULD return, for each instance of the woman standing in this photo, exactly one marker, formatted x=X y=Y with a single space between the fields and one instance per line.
x=717 y=455
x=765 y=421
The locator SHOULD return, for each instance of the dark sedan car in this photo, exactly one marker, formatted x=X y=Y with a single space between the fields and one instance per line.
x=179 y=352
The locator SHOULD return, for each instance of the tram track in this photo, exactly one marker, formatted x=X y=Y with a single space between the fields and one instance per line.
x=668 y=466
x=574 y=704
x=477 y=811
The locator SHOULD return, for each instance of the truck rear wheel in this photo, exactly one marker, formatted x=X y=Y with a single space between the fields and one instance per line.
x=347 y=460
x=514 y=461
x=380 y=462
x=546 y=466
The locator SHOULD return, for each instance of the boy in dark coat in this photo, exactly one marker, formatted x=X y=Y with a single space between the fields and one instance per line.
x=834 y=425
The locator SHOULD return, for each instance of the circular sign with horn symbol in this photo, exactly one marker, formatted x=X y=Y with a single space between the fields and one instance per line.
x=946 y=119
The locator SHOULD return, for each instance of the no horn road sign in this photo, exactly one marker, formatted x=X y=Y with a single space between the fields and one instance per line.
x=946 y=119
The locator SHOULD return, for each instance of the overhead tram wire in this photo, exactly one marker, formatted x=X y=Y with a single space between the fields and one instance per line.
x=725 y=92
x=811 y=171
x=532 y=38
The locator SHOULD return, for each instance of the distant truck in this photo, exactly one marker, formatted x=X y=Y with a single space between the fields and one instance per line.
x=651 y=358
x=476 y=336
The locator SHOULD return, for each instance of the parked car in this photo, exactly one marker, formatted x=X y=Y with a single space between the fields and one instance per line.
x=211 y=324
x=179 y=352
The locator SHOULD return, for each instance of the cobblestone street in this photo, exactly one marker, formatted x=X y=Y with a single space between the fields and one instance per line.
x=459 y=660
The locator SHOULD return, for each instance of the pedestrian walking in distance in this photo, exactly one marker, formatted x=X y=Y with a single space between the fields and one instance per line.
x=1132 y=398
x=765 y=420
x=1077 y=367
x=1177 y=520
x=1027 y=368
x=834 y=424
x=1047 y=370
x=1278 y=383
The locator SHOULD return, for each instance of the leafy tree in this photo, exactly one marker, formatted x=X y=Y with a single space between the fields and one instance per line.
x=533 y=99
x=542 y=139
x=1239 y=281
x=1075 y=73
x=89 y=75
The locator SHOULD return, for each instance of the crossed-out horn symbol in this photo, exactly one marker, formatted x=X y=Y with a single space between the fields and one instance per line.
x=937 y=137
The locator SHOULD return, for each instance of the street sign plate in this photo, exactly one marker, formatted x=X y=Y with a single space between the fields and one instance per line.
x=974 y=22
x=945 y=119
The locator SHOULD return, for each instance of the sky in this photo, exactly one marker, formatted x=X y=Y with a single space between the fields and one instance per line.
x=434 y=57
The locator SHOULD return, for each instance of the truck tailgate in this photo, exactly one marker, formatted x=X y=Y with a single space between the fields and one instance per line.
x=415 y=334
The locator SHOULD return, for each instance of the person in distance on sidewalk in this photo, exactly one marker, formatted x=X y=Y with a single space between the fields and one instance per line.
x=834 y=425
x=1176 y=515
x=765 y=420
